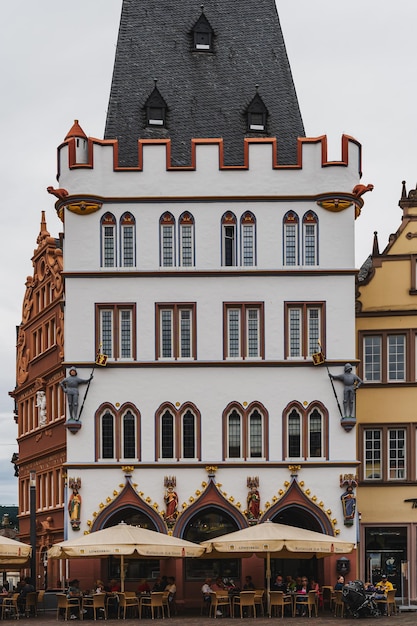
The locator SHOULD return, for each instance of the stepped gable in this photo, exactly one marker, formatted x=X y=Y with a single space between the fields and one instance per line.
x=207 y=88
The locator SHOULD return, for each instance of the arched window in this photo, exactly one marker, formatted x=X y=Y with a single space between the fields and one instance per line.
x=290 y=239
x=167 y=435
x=117 y=433
x=310 y=239
x=255 y=435
x=127 y=241
x=167 y=240
x=294 y=434
x=248 y=239
x=188 y=435
x=186 y=240
x=178 y=432
x=315 y=433
x=305 y=431
x=234 y=435
x=228 y=225
x=108 y=240
x=107 y=436
x=245 y=432
x=129 y=435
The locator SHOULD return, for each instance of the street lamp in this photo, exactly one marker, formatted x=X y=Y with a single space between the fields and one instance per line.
x=32 y=509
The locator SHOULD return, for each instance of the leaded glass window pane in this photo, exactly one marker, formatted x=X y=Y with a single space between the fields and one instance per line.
x=167 y=246
x=109 y=246
x=185 y=333
x=234 y=332
x=234 y=435
x=315 y=434
x=167 y=435
x=187 y=245
x=253 y=332
x=294 y=434
x=166 y=333
x=128 y=245
x=310 y=244
x=295 y=332
x=313 y=316
x=290 y=244
x=107 y=436
x=188 y=435
x=125 y=334
x=106 y=334
x=129 y=436
x=229 y=246
x=255 y=435
x=248 y=245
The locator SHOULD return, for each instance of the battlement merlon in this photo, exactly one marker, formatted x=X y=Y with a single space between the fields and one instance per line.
x=97 y=171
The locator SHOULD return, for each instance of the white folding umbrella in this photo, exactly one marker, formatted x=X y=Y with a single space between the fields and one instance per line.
x=13 y=553
x=277 y=539
x=125 y=540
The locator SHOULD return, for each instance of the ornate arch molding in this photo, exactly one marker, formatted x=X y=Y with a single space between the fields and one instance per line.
x=296 y=498
x=210 y=498
x=118 y=414
x=305 y=411
x=128 y=498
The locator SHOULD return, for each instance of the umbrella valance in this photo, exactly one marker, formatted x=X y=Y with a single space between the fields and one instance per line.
x=276 y=538
x=13 y=553
x=127 y=541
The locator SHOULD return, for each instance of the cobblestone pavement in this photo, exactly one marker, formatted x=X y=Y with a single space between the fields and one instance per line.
x=406 y=618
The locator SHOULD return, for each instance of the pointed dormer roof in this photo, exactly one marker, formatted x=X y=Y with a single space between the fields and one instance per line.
x=207 y=94
x=76 y=131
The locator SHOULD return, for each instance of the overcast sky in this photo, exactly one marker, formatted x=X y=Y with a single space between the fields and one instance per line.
x=353 y=67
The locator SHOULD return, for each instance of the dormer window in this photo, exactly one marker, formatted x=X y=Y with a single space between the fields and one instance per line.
x=156 y=109
x=202 y=34
x=256 y=115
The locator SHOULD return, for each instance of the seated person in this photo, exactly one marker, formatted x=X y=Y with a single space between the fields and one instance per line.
x=249 y=584
x=99 y=587
x=340 y=583
x=279 y=584
x=171 y=588
x=382 y=587
x=302 y=597
x=219 y=585
x=25 y=589
x=160 y=584
x=74 y=591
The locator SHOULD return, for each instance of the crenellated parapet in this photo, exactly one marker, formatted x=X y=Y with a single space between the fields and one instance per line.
x=96 y=172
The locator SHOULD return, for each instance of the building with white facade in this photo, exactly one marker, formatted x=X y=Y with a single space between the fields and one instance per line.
x=208 y=253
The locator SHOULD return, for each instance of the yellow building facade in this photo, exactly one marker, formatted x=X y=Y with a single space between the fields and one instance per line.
x=386 y=322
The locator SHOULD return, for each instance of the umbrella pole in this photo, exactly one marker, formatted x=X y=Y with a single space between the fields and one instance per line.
x=268 y=583
x=122 y=573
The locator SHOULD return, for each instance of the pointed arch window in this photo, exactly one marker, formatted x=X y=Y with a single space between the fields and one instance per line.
x=167 y=240
x=107 y=436
x=167 y=435
x=290 y=239
x=117 y=433
x=256 y=115
x=310 y=238
x=156 y=109
x=202 y=35
x=127 y=241
x=186 y=240
x=108 y=240
x=305 y=432
x=234 y=435
x=245 y=431
x=129 y=435
x=178 y=433
x=188 y=435
x=229 y=239
x=248 y=239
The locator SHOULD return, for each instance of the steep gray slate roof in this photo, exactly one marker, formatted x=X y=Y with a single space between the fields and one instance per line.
x=206 y=93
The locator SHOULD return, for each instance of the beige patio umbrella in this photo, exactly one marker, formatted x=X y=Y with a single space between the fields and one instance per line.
x=13 y=553
x=277 y=539
x=125 y=540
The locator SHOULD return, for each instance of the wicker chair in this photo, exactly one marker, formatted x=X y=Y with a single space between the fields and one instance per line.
x=67 y=605
x=128 y=603
x=278 y=602
x=245 y=600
